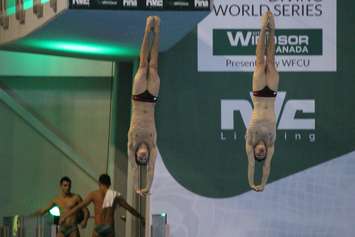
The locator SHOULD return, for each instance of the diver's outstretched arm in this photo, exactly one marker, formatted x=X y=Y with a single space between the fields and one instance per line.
x=134 y=166
x=251 y=165
x=150 y=171
x=266 y=168
x=151 y=168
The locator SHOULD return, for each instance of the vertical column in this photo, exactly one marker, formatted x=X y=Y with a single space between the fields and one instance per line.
x=37 y=8
x=118 y=166
x=147 y=215
x=20 y=12
x=53 y=5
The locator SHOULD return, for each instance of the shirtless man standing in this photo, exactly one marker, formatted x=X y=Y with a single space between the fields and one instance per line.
x=142 y=135
x=104 y=217
x=66 y=201
x=261 y=132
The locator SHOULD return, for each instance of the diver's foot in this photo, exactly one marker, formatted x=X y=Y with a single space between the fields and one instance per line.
x=271 y=22
x=149 y=24
x=156 y=24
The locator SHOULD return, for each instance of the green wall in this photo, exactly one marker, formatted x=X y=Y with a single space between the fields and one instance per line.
x=63 y=129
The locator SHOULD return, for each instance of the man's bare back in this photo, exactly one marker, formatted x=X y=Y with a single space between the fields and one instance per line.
x=104 y=218
x=97 y=199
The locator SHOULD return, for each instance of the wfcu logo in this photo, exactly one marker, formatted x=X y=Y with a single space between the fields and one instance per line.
x=81 y=2
x=295 y=118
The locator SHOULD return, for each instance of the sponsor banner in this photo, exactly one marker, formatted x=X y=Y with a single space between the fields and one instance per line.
x=305 y=35
x=141 y=4
x=296 y=119
x=288 y=42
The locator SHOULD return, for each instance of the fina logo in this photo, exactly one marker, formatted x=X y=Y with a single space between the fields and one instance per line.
x=154 y=3
x=201 y=3
x=287 y=121
x=130 y=3
x=81 y=2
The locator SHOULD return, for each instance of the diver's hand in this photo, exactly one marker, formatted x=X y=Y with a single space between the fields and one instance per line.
x=145 y=191
x=259 y=188
x=142 y=192
x=253 y=187
x=139 y=192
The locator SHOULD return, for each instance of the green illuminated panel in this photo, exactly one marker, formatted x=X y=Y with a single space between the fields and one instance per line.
x=81 y=47
x=11 y=11
x=11 y=7
x=27 y=4
x=42 y=65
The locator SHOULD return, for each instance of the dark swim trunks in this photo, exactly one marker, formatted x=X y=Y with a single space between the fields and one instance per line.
x=146 y=96
x=104 y=230
x=265 y=92
x=68 y=229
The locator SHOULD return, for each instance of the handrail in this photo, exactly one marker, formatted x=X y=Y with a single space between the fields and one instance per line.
x=20 y=226
x=4 y=19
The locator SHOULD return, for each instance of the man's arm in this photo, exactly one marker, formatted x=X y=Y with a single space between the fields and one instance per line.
x=150 y=170
x=42 y=211
x=134 y=166
x=123 y=203
x=251 y=165
x=81 y=205
x=86 y=214
x=266 y=167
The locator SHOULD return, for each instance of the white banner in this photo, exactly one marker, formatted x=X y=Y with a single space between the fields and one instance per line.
x=305 y=35
x=311 y=203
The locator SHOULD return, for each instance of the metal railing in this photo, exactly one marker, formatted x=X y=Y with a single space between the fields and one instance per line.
x=28 y=226
x=4 y=18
